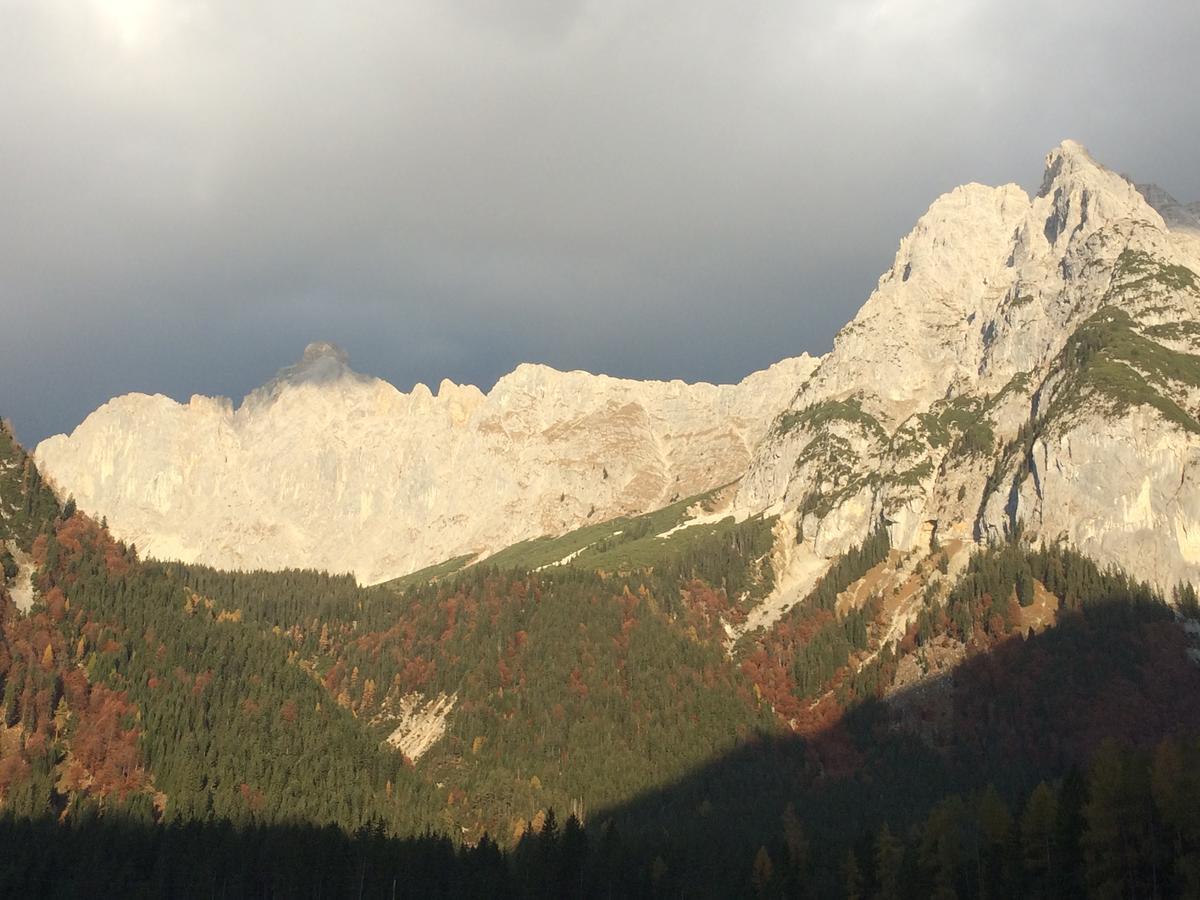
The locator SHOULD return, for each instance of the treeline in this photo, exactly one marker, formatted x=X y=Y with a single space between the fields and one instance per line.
x=112 y=855
x=264 y=695
x=259 y=699
x=1125 y=825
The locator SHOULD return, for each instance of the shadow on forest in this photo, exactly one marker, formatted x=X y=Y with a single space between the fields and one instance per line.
x=1026 y=711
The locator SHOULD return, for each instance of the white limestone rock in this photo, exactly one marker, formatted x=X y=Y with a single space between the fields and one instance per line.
x=912 y=420
x=420 y=724
x=1123 y=490
x=325 y=468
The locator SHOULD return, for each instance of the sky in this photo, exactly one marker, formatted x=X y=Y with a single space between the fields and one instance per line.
x=193 y=190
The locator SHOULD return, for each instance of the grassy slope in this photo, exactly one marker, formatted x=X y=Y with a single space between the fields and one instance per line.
x=430 y=573
x=620 y=544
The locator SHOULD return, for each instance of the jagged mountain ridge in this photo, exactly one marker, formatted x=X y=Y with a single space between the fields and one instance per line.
x=1025 y=361
x=325 y=468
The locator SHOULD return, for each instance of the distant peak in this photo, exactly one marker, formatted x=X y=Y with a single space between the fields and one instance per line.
x=1177 y=216
x=322 y=363
x=319 y=350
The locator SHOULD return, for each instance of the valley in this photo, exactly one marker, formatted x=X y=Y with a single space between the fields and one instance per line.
x=916 y=618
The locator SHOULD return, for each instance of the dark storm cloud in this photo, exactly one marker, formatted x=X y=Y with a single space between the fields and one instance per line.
x=192 y=191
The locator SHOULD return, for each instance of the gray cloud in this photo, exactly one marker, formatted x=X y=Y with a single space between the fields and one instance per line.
x=192 y=191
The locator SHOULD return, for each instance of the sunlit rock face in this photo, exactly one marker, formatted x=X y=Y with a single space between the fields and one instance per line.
x=1025 y=362
x=326 y=468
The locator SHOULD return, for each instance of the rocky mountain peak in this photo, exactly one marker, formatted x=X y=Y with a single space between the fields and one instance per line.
x=1069 y=167
x=529 y=378
x=321 y=350
x=1068 y=158
x=322 y=363
x=1078 y=195
x=1177 y=216
x=972 y=336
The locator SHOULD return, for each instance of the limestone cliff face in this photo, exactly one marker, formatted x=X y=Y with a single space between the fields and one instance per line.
x=329 y=469
x=1028 y=360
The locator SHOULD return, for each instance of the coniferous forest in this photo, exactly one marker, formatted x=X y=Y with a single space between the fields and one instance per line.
x=176 y=731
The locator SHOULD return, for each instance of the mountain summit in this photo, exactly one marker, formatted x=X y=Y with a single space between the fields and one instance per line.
x=322 y=363
x=1026 y=363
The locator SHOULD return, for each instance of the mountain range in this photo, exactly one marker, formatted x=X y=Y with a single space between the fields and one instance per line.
x=915 y=618
x=1024 y=362
x=405 y=480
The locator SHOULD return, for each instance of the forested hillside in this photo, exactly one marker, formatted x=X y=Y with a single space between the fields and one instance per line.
x=574 y=688
x=589 y=728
